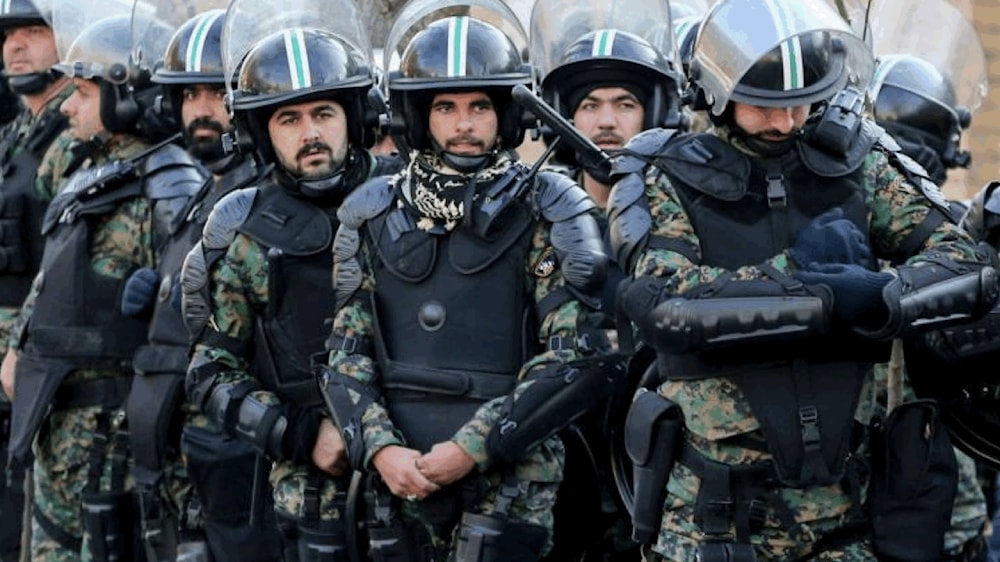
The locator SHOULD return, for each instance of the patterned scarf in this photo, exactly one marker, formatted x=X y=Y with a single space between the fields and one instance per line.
x=439 y=198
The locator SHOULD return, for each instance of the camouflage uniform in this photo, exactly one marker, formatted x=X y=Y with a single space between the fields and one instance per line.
x=33 y=133
x=64 y=447
x=539 y=472
x=719 y=422
x=20 y=131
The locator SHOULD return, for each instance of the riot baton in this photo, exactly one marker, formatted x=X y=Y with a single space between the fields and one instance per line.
x=591 y=157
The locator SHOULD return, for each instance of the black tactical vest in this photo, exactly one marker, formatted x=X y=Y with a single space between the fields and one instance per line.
x=21 y=210
x=453 y=321
x=298 y=236
x=804 y=395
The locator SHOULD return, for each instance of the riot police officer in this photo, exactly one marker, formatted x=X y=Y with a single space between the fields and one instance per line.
x=215 y=523
x=454 y=357
x=257 y=285
x=33 y=92
x=768 y=309
x=72 y=347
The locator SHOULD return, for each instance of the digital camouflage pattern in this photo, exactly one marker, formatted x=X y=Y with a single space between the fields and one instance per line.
x=239 y=292
x=540 y=471
x=122 y=241
x=715 y=409
x=20 y=131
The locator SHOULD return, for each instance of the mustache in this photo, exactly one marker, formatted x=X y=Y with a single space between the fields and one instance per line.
x=205 y=123
x=466 y=139
x=608 y=137
x=305 y=150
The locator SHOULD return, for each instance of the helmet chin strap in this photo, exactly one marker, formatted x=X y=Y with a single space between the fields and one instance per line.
x=464 y=163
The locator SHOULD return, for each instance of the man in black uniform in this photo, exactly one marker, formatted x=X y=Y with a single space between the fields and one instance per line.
x=257 y=285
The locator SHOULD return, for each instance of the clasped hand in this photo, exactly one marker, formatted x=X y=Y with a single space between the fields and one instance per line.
x=414 y=476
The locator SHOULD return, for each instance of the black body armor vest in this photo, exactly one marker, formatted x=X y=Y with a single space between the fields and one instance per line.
x=298 y=236
x=453 y=321
x=804 y=395
x=21 y=210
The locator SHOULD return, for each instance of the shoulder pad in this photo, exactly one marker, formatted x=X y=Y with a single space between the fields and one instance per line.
x=991 y=196
x=883 y=139
x=367 y=201
x=918 y=177
x=560 y=198
x=827 y=164
x=227 y=216
x=640 y=150
x=708 y=164
x=629 y=219
x=580 y=251
x=171 y=172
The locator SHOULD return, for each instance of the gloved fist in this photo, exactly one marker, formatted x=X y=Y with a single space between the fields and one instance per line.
x=857 y=292
x=830 y=238
x=140 y=292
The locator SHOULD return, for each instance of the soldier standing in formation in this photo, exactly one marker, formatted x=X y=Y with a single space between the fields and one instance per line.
x=761 y=251
x=257 y=285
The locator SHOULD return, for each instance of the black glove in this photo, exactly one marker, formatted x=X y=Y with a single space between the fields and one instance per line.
x=857 y=292
x=140 y=292
x=830 y=238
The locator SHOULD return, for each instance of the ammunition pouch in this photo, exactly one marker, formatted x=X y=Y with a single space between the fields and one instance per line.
x=106 y=518
x=559 y=394
x=485 y=538
x=389 y=538
x=931 y=296
x=654 y=431
x=913 y=485
x=322 y=542
x=681 y=325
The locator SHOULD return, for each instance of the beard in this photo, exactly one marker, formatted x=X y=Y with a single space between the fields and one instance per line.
x=206 y=149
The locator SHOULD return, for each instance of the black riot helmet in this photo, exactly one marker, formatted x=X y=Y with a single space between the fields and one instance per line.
x=914 y=101
x=776 y=53
x=457 y=53
x=610 y=57
x=101 y=52
x=22 y=13
x=193 y=56
x=300 y=65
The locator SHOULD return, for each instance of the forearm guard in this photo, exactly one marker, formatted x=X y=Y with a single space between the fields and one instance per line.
x=559 y=394
x=930 y=296
x=347 y=399
x=967 y=340
x=681 y=325
x=247 y=418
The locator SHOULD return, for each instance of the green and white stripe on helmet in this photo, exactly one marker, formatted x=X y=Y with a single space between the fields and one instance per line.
x=298 y=59
x=791 y=49
x=196 y=42
x=458 y=45
x=604 y=43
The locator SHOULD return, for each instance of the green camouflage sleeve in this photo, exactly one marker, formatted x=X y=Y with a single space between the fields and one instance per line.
x=671 y=221
x=562 y=322
x=238 y=285
x=897 y=208
x=52 y=170
x=354 y=319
